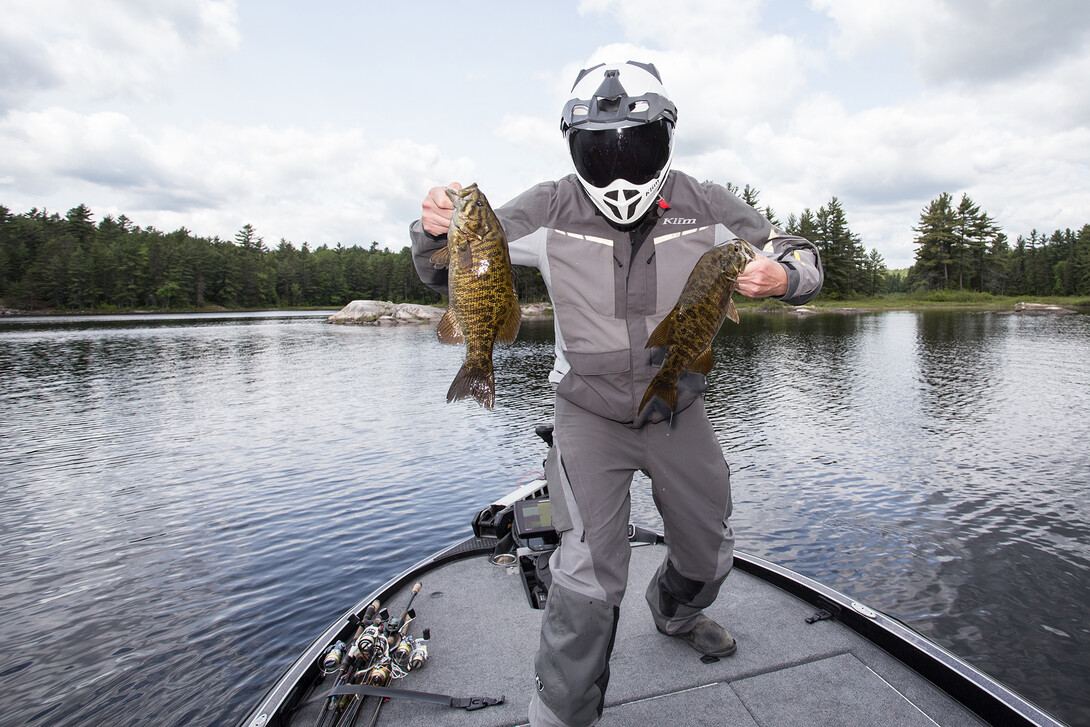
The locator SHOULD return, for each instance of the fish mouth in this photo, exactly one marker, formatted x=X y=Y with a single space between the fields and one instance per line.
x=456 y=195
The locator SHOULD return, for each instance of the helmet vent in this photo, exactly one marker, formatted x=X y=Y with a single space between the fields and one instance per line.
x=611 y=89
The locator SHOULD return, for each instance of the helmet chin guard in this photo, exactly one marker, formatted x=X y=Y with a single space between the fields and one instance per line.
x=619 y=125
x=622 y=201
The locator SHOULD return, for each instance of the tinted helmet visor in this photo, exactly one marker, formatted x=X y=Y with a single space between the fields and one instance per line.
x=634 y=153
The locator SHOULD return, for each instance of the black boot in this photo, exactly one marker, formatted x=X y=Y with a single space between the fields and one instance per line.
x=708 y=637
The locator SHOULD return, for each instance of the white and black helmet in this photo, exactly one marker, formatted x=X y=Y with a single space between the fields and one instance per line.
x=619 y=124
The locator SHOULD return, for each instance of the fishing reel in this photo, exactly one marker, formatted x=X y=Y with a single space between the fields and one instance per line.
x=331 y=662
x=418 y=657
x=368 y=640
x=409 y=654
x=402 y=653
x=379 y=675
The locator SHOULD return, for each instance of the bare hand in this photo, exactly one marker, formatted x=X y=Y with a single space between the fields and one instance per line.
x=437 y=210
x=762 y=278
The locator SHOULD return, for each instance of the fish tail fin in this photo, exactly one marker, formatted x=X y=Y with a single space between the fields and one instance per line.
x=663 y=389
x=475 y=379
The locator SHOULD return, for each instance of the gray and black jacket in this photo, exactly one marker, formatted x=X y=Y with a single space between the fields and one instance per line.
x=611 y=287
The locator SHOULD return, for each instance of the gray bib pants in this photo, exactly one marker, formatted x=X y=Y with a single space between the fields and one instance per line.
x=589 y=471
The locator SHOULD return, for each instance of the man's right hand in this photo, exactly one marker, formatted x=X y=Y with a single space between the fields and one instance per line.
x=437 y=210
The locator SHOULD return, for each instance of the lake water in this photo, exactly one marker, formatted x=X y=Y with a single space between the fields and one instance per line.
x=187 y=501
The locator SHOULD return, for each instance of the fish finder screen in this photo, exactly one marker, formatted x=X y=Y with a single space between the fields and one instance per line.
x=533 y=517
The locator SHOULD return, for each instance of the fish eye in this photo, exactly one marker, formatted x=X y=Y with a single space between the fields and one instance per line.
x=480 y=203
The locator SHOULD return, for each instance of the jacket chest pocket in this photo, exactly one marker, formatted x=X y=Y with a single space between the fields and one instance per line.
x=675 y=258
x=582 y=273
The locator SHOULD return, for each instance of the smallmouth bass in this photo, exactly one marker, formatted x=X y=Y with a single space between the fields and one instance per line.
x=483 y=305
x=688 y=330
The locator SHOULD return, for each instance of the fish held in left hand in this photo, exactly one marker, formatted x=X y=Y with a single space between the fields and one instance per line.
x=483 y=306
x=688 y=330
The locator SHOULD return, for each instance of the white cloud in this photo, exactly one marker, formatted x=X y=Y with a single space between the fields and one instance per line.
x=985 y=98
x=322 y=185
x=965 y=40
x=707 y=24
x=101 y=49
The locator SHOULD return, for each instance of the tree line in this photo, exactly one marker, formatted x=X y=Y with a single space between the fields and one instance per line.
x=71 y=262
x=958 y=248
x=961 y=248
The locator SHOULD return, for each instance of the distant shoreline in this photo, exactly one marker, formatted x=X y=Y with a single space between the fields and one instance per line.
x=844 y=307
x=55 y=312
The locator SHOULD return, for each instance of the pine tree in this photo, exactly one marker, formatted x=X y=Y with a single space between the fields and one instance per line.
x=874 y=266
x=936 y=237
x=842 y=252
x=1082 y=261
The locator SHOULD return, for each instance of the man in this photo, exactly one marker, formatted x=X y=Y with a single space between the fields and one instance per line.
x=615 y=243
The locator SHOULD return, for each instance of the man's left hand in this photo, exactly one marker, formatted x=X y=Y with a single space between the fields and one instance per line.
x=762 y=278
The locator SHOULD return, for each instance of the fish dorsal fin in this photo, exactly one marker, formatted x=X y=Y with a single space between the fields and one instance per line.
x=441 y=257
x=449 y=331
x=663 y=331
x=732 y=312
x=704 y=362
x=510 y=327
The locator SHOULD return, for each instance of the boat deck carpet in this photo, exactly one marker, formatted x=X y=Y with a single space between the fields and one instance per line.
x=786 y=672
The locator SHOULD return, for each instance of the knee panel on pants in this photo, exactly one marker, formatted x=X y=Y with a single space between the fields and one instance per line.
x=676 y=590
x=577 y=636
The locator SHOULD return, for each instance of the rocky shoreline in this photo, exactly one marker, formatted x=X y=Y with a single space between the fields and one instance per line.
x=385 y=313
x=1035 y=309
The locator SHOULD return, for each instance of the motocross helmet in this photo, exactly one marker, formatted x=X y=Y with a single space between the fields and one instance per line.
x=619 y=125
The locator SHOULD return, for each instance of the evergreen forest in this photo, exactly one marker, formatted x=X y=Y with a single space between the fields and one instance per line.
x=72 y=262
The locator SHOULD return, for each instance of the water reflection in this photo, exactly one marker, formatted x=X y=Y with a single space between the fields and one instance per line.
x=929 y=464
x=191 y=500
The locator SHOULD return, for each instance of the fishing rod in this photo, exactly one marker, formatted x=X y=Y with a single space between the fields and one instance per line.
x=345 y=662
x=381 y=674
x=368 y=658
x=373 y=652
x=397 y=626
x=391 y=653
x=335 y=659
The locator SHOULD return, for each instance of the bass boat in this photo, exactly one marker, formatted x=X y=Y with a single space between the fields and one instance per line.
x=451 y=641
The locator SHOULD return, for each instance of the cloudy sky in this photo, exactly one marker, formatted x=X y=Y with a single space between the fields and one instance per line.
x=327 y=121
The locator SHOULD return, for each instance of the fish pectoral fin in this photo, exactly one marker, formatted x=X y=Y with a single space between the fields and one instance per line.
x=661 y=335
x=449 y=331
x=732 y=311
x=510 y=327
x=704 y=362
x=441 y=257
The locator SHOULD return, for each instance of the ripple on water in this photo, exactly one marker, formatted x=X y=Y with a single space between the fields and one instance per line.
x=187 y=502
